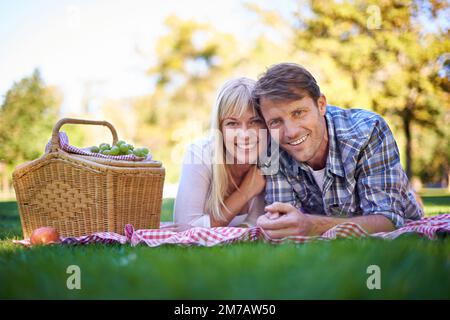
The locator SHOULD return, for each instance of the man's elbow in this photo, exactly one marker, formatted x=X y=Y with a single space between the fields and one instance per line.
x=381 y=223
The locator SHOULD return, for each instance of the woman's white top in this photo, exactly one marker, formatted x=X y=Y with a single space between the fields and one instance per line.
x=196 y=178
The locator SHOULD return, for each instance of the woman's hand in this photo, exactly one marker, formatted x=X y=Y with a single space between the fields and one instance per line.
x=253 y=183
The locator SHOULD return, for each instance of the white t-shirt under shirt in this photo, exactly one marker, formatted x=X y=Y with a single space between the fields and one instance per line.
x=319 y=176
x=196 y=178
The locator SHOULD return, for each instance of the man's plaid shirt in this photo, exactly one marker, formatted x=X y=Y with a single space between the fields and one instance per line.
x=363 y=174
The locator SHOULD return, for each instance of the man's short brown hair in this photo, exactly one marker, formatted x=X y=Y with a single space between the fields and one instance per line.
x=285 y=82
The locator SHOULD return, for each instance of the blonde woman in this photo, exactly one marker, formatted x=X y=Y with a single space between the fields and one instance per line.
x=220 y=183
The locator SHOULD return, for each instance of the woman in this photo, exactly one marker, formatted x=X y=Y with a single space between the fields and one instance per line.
x=221 y=184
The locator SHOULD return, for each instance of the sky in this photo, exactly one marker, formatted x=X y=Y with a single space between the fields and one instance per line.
x=104 y=45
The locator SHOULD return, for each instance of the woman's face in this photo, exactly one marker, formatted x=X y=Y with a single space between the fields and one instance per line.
x=244 y=137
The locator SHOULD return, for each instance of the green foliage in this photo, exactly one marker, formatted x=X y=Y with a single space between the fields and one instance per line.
x=27 y=117
x=368 y=54
x=433 y=165
x=388 y=56
x=193 y=61
x=76 y=133
x=384 y=52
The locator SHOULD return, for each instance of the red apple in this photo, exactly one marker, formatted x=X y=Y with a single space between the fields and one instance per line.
x=44 y=235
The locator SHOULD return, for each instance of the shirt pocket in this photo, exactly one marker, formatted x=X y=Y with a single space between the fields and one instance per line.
x=342 y=203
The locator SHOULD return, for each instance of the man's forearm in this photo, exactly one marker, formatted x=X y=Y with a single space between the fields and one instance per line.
x=370 y=223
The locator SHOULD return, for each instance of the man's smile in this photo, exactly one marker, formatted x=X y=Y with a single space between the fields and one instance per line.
x=299 y=141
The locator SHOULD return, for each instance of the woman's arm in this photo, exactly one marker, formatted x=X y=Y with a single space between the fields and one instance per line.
x=235 y=202
x=195 y=180
x=252 y=185
x=193 y=189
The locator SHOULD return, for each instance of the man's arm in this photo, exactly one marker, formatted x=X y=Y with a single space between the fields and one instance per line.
x=372 y=224
x=382 y=185
x=283 y=219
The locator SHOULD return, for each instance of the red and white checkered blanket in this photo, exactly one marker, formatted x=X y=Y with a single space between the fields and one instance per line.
x=65 y=145
x=430 y=227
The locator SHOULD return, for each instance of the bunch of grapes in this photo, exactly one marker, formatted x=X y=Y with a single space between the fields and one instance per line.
x=119 y=149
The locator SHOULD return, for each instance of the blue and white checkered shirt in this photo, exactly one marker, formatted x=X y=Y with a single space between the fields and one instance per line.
x=363 y=174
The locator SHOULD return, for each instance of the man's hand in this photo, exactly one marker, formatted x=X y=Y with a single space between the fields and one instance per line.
x=283 y=219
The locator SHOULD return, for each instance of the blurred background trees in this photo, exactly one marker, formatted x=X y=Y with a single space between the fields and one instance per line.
x=391 y=57
x=27 y=116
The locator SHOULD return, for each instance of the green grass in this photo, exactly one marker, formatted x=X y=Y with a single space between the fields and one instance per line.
x=411 y=268
x=436 y=201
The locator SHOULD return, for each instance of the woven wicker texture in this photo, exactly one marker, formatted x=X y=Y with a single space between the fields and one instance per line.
x=81 y=195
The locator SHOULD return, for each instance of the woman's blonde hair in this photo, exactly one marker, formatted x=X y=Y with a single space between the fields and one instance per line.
x=233 y=99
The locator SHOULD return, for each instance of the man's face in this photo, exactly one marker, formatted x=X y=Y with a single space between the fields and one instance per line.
x=301 y=127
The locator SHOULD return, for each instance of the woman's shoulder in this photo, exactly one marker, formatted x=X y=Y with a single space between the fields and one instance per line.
x=202 y=143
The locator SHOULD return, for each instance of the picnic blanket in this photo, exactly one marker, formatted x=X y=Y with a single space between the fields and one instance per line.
x=65 y=145
x=429 y=227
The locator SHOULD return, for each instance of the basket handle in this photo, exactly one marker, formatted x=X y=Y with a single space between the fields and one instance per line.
x=60 y=123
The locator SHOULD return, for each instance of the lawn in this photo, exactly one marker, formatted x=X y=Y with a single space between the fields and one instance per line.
x=411 y=267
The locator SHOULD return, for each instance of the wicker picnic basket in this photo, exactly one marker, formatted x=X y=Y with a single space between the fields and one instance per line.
x=79 y=195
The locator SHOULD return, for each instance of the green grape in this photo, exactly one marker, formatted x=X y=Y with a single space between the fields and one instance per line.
x=138 y=152
x=123 y=149
x=130 y=152
x=145 y=151
x=131 y=147
x=120 y=142
x=106 y=152
x=104 y=146
x=115 y=151
x=94 y=149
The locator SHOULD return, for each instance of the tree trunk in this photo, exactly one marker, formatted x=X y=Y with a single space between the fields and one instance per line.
x=407 y=130
x=448 y=182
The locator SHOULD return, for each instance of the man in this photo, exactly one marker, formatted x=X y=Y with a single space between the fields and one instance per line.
x=336 y=165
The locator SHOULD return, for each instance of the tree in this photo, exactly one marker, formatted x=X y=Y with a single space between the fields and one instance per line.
x=193 y=60
x=386 y=52
x=27 y=116
x=388 y=56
